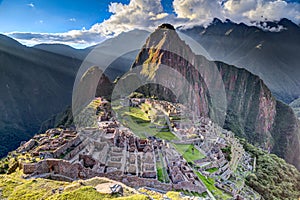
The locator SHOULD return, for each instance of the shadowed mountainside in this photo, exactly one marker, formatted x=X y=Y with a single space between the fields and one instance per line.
x=35 y=84
x=296 y=107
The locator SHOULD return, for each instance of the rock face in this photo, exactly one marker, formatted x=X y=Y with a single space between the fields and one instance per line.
x=164 y=47
x=252 y=112
x=251 y=107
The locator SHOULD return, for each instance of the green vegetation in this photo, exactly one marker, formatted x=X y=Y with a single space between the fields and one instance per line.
x=162 y=174
x=14 y=188
x=138 y=120
x=273 y=177
x=136 y=95
x=210 y=184
x=189 y=152
x=138 y=114
x=166 y=135
x=158 y=196
x=88 y=193
x=227 y=152
x=10 y=163
x=212 y=170
x=64 y=119
x=284 y=131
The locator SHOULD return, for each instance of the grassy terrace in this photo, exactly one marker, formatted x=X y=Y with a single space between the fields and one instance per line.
x=189 y=156
x=139 y=122
x=212 y=170
x=186 y=150
x=210 y=185
x=162 y=174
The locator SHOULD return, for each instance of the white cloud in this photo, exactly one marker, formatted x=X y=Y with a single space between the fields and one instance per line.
x=72 y=19
x=198 y=11
x=76 y=38
x=148 y=14
x=260 y=10
x=137 y=14
x=31 y=5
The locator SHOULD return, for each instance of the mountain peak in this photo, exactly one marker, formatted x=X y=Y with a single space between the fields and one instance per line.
x=216 y=21
x=166 y=26
x=166 y=38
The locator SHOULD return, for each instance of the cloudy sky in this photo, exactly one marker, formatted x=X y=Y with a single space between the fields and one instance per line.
x=82 y=23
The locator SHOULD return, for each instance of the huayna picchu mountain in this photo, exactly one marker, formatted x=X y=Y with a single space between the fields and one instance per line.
x=252 y=111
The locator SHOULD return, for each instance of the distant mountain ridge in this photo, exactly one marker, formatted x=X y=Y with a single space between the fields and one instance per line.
x=274 y=56
x=35 y=84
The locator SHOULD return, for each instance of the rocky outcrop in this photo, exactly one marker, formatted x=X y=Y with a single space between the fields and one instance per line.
x=164 y=47
x=251 y=112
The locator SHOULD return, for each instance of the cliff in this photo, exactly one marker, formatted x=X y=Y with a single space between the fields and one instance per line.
x=251 y=110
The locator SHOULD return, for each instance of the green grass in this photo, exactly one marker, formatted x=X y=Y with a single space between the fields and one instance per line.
x=88 y=193
x=139 y=123
x=162 y=174
x=210 y=185
x=166 y=135
x=138 y=113
x=212 y=170
x=15 y=188
x=84 y=193
x=186 y=151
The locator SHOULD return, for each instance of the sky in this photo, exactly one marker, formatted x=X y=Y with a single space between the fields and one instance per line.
x=82 y=23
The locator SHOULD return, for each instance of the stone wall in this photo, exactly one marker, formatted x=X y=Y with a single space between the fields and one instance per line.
x=77 y=171
x=62 y=150
x=29 y=168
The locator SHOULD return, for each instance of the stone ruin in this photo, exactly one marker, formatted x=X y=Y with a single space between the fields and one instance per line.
x=113 y=151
